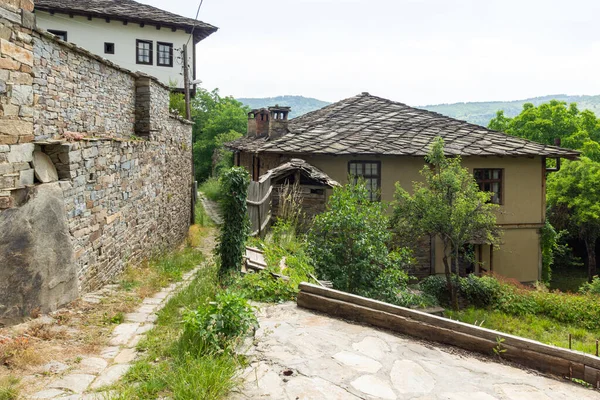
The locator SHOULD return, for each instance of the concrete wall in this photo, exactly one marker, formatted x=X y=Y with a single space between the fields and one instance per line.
x=91 y=35
x=94 y=171
x=521 y=215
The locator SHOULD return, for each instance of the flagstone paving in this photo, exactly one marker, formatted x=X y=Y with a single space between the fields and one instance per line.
x=298 y=354
x=94 y=373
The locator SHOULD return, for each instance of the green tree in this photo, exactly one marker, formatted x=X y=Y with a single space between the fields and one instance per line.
x=579 y=130
x=574 y=194
x=348 y=242
x=217 y=119
x=449 y=205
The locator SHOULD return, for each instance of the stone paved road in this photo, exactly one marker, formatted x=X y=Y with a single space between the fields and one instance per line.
x=302 y=355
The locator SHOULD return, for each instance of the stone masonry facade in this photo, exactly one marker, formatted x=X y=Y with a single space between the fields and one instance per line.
x=92 y=147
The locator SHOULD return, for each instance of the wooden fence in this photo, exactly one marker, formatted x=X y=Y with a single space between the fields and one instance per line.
x=259 y=205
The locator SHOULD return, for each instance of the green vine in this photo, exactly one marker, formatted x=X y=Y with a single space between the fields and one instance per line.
x=548 y=241
x=235 y=228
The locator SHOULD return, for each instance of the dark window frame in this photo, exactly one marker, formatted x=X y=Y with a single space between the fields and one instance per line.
x=61 y=34
x=362 y=163
x=107 y=49
x=150 y=49
x=481 y=182
x=170 y=46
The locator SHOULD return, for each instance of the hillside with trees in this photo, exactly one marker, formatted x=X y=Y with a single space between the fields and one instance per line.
x=481 y=113
x=300 y=104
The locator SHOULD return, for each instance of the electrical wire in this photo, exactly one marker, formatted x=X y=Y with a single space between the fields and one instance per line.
x=194 y=27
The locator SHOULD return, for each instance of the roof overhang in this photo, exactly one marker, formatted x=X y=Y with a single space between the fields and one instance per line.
x=200 y=31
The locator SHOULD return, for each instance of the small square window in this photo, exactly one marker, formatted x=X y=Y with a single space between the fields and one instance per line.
x=165 y=54
x=109 y=48
x=62 y=35
x=143 y=52
x=490 y=180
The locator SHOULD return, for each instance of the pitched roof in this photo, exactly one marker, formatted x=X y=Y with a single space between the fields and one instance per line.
x=297 y=164
x=127 y=10
x=371 y=125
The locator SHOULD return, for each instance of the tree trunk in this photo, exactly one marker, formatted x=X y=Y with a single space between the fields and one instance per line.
x=448 y=271
x=590 y=244
x=456 y=280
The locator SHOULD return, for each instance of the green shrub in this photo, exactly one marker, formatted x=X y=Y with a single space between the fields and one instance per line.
x=216 y=326
x=480 y=292
x=348 y=242
x=236 y=225
x=262 y=286
x=211 y=189
x=436 y=286
x=581 y=310
x=591 y=288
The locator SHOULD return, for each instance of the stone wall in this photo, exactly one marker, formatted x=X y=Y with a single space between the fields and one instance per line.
x=94 y=171
x=74 y=92
x=124 y=199
x=16 y=98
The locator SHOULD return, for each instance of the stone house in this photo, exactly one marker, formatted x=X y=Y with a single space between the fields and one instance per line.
x=133 y=35
x=384 y=142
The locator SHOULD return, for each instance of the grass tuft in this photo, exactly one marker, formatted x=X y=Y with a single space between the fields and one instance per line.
x=9 y=388
x=211 y=189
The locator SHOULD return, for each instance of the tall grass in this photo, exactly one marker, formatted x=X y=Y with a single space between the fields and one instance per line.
x=9 y=389
x=540 y=328
x=211 y=188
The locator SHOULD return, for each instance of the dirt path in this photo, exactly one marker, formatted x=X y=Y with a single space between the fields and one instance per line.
x=211 y=208
x=298 y=354
x=73 y=352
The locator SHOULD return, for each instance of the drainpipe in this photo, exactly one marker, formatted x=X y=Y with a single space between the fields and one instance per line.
x=557 y=168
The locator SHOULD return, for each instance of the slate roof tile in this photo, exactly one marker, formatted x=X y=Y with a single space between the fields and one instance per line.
x=371 y=125
x=127 y=10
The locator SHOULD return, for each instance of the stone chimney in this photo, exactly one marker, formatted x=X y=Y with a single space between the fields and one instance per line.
x=258 y=122
x=278 y=125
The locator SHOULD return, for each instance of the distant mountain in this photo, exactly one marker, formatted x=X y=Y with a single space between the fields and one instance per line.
x=481 y=113
x=300 y=105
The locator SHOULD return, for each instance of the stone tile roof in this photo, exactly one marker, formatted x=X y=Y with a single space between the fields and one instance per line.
x=296 y=164
x=371 y=125
x=128 y=10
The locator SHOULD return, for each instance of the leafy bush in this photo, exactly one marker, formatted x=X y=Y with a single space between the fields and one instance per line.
x=436 y=286
x=211 y=189
x=591 y=288
x=388 y=284
x=262 y=286
x=217 y=325
x=510 y=298
x=236 y=225
x=348 y=242
x=480 y=292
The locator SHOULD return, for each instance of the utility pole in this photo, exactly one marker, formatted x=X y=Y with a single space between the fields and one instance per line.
x=186 y=84
x=188 y=116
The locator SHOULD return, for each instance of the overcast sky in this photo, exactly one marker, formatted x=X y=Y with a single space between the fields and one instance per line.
x=414 y=51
